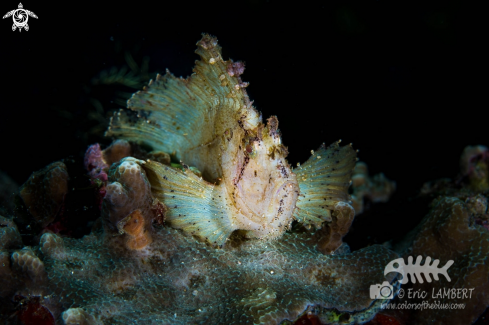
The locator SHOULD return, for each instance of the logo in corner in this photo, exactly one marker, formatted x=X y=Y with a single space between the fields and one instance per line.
x=416 y=269
x=386 y=290
x=20 y=17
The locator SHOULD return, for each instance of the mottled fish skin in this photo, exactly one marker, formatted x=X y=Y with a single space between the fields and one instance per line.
x=208 y=121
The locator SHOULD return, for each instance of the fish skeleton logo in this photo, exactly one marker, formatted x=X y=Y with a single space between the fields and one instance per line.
x=416 y=269
x=20 y=17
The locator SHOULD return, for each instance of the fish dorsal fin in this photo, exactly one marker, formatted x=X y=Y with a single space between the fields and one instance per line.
x=187 y=116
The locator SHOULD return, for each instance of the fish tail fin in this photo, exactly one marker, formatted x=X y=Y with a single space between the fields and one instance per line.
x=323 y=181
x=194 y=205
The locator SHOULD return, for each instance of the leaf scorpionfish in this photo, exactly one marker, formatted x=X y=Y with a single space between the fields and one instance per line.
x=207 y=121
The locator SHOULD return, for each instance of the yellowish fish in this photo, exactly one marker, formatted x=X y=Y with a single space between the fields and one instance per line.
x=207 y=120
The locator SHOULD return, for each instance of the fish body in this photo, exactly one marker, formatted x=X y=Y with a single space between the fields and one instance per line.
x=207 y=121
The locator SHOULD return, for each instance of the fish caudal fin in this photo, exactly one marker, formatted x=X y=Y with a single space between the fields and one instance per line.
x=194 y=205
x=323 y=181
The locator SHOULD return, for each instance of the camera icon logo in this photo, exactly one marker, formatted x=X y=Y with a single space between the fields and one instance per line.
x=381 y=291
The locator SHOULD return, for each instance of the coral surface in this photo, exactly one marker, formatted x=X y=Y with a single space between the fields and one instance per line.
x=44 y=192
x=456 y=229
x=373 y=189
x=474 y=167
x=178 y=280
x=450 y=233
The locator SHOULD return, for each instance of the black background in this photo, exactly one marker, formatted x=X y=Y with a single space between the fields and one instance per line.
x=404 y=81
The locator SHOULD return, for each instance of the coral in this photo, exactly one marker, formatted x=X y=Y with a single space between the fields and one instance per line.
x=474 y=167
x=98 y=161
x=78 y=316
x=10 y=282
x=118 y=150
x=456 y=228
x=52 y=246
x=329 y=238
x=9 y=234
x=128 y=190
x=375 y=188
x=95 y=164
x=32 y=312
x=44 y=192
x=449 y=232
x=183 y=281
x=134 y=227
x=29 y=264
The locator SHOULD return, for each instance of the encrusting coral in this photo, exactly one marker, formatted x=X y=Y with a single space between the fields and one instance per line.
x=44 y=192
x=375 y=188
x=9 y=234
x=455 y=229
x=474 y=167
x=127 y=191
x=183 y=281
x=449 y=233
x=134 y=226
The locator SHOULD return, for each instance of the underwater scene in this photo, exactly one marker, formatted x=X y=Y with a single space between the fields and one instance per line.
x=255 y=162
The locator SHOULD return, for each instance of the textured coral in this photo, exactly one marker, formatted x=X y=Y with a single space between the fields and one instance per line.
x=375 y=188
x=128 y=190
x=134 y=227
x=9 y=239
x=78 y=316
x=182 y=281
x=474 y=167
x=94 y=162
x=450 y=233
x=457 y=228
x=329 y=238
x=44 y=192
x=9 y=234
x=98 y=161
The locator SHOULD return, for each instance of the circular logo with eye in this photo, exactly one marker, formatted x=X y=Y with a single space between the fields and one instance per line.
x=20 y=17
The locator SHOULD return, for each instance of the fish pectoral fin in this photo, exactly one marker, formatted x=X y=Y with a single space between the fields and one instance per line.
x=194 y=205
x=323 y=181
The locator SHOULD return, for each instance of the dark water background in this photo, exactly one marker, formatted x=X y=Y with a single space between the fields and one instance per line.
x=403 y=81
